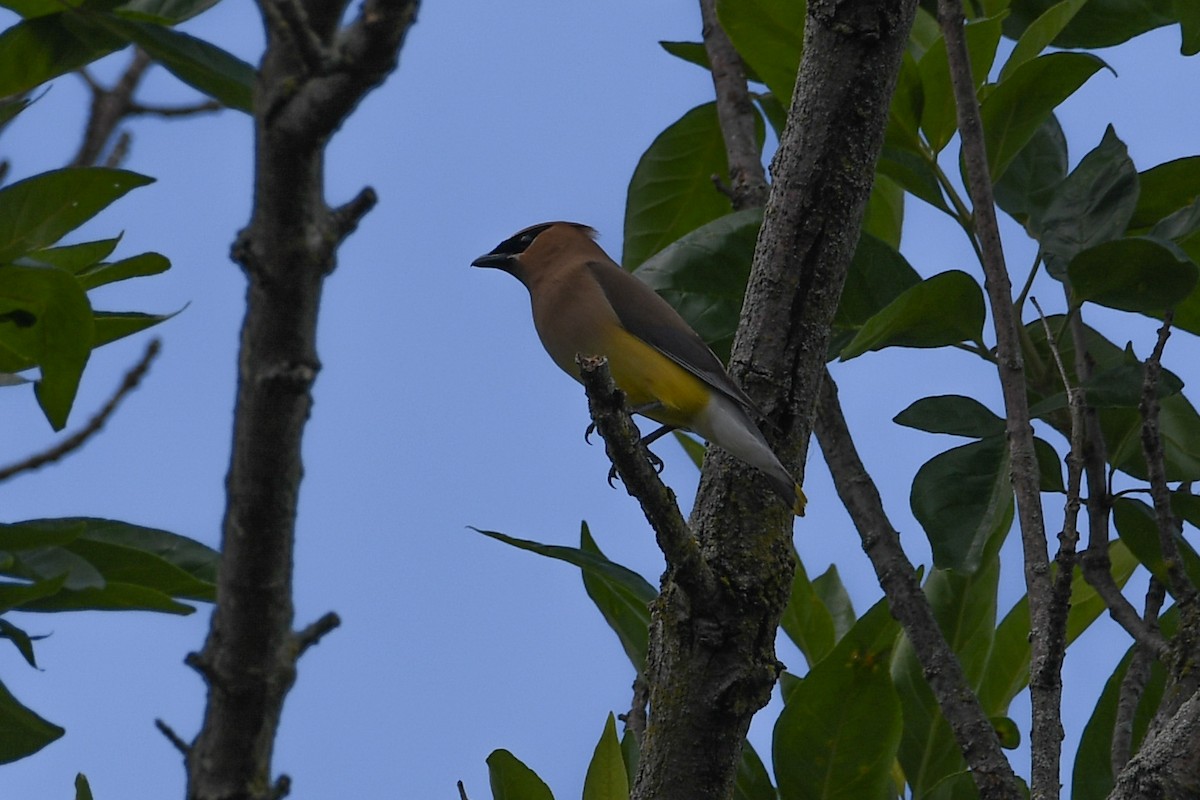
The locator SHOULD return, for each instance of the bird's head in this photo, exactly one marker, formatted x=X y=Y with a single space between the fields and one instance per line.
x=514 y=254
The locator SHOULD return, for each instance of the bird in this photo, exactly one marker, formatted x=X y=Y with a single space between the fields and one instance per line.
x=584 y=303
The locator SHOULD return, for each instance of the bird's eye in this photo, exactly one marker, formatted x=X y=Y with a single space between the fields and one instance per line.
x=527 y=239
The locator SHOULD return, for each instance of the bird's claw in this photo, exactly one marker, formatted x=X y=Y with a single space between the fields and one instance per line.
x=587 y=434
x=654 y=460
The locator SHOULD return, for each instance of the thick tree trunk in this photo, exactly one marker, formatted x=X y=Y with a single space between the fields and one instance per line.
x=712 y=659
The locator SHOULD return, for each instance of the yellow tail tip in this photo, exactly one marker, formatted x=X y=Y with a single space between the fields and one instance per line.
x=801 y=502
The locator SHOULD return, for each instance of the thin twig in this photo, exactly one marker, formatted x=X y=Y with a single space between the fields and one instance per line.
x=635 y=719
x=174 y=738
x=1178 y=582
x=462 y=791
x=315 y=632
x=1134 y=682
x=190 y=110
x=109 y=107
x=76 y=440
x=1045 y=676
x=898 y=577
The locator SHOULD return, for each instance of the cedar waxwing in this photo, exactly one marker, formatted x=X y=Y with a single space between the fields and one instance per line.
x=585 y=304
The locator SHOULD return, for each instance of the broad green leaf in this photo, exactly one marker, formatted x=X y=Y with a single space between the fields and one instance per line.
x=1136 y=525
x=1189 y=26
x=1033 y=175
x=24 y=731
x=1165 y=188
x=1040 y=33
x=703 y=275
x=694 y=53
x=36 y=212
x=624 y=606
x=135 y=267
x=961 y=498
x=940 y=311
x=512 y=780
x=965 y=609
x=1186 y=506
x=911 y=171
x=47 y=321
x=806 y=620
x=671 y=192
x=1132 y=274
x=164 y=12
x=769 y=36
x=1100 y=23
x=1021 y=103
x=631 y=754
x=839 y=730
x=1050 y=466
x=113 y=596
x=1092 y=777
x=829 y=587
x=619 y=591
x=1007 y=672
x=939 y=116
x=903 y=130
x=1090 y=206
x=953 y=414
x=75 y=258
x=752 y=781
x=33 y=534
x=199 y=64
x=606 y=778
x=83 y=790
x=35 y=50
x=878 y=275
x=14 y=595
x=197 y=560
x=884 y=217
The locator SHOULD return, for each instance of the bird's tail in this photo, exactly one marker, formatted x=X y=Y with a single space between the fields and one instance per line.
x=725 y=423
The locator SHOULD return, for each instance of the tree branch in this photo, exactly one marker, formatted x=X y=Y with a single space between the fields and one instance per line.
x=109 y=107
x=1136 y=676
x=960 y=706
x=1045 y=683
x=76 y=440
x=1167 y=764
x=286 y=251
x=735 y=111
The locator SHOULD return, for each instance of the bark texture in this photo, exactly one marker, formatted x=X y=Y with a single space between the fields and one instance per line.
x=312 y=75
x=712 y=661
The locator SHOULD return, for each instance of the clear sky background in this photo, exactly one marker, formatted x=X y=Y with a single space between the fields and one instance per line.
x=437 y=408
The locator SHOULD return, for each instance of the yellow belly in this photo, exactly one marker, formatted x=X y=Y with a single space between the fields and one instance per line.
x=668 y=392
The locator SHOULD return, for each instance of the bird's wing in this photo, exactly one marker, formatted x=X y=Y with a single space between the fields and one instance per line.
x=647 y=316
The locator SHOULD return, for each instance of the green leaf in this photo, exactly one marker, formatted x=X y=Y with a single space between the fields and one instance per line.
x=199 y=561
x=21 y=640
x=694 y=53
x=829 y=587
x=1040 y=33
x=631 y=754
x=953 y=414
x=47 y=321
x=769 y=36
x=1033 y=175
x=1100 y=23
x=625 y=605
x=1021 y=103
x=136 y=267
x=1137 y=526
x=606 y=778
x=112 y=596
x=908 y=102
x=911 y=171
x=1189 y=26
x=671 y=192
x=1165 y=188
x=199 y=64
x=1007 y=672
x=36 y=212
x=113 y=325
x=1091 y=206
x=512 y=780
x=35 y=50
x=752 y=781
x=164 y=12
x=1050 y=467
x=939 y=119
x=83 y=790
x=619 y=592
x=1132 y=274
x=884 y=217
x=74 y=258
x=961 y=498
x=703 y=275
x=24 y=731
x=806 y=620
x=878 y=275
x=14 y=595
x=839 y=730
x=940 y=311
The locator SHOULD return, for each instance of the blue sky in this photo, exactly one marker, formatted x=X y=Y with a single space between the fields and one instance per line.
x=437 y=408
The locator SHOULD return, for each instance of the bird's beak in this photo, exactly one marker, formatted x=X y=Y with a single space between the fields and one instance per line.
x=494 y=260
